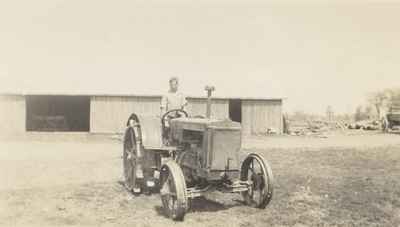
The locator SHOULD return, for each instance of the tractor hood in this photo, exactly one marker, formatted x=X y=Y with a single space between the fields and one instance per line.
x=200 y=124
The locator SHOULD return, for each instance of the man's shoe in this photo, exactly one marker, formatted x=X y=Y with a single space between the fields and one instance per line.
x=150 y=183
x=137 y=190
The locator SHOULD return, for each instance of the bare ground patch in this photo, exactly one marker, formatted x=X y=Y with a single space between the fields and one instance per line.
x=78 y=184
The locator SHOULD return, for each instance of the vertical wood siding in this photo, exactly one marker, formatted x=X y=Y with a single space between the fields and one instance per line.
x=109 y=114
x=259 y=115
x=219 y=108
x=12 y=114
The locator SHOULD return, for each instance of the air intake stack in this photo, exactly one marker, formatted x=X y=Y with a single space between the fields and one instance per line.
x=209 y=90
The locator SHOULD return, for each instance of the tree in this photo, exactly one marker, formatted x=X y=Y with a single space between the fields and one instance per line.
x=383 y=99
x=360 y=114
x=378 y=100
x=369 y=112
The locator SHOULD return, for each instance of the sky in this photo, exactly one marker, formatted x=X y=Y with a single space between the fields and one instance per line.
x=311 y=53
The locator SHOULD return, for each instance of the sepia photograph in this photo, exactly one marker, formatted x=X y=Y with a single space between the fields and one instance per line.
x=214 y=113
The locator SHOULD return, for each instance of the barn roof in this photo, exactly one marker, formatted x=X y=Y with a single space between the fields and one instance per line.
x=144 y=86
x=133 y=95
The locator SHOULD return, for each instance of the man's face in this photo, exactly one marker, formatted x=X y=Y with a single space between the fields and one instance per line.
x=173 y=85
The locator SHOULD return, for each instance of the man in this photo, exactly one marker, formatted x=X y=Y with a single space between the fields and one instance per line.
x=173 y=99
x=383 y=115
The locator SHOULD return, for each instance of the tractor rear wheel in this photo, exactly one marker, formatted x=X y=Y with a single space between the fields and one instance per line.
x=173 y=191
x=258 y=173
x=129 y=159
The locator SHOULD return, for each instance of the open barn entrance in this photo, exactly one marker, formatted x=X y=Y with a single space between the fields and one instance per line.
x=235 y=110
x=57 y=113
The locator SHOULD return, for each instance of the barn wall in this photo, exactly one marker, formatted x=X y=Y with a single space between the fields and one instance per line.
x=12 y=114
x=219 y=108
x=259 y=115
x=109 y=114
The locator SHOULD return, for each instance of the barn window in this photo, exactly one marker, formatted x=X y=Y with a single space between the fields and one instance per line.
x=235 y=110
x=57 y=113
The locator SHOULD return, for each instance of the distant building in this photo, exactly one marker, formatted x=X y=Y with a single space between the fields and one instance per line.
x=107 y=113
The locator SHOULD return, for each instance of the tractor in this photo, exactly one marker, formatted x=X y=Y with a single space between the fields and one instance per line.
x=182 y=157
x=393 y=116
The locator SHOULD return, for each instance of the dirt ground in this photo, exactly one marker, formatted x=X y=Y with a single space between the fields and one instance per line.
x=344 y=180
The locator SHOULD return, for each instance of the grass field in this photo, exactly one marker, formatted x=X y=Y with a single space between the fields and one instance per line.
x=77 y=183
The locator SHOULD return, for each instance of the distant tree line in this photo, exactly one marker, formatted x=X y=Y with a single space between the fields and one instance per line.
x=377 y=103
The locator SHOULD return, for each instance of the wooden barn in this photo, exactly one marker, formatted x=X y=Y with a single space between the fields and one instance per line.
x=105 y=113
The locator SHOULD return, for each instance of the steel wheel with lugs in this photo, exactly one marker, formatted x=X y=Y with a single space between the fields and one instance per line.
x=173 y=191
x=129 y=159
x=258 y=173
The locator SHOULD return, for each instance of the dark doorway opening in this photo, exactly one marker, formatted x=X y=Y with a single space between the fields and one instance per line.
x=235 y=110
x=57 y=113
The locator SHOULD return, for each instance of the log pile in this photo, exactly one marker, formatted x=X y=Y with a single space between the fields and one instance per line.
x=314 y=127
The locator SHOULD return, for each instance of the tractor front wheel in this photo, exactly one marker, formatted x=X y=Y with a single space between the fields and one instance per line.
x=173 y=191
x=258 y=173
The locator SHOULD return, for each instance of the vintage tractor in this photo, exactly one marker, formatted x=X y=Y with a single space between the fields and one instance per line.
x=186 y=157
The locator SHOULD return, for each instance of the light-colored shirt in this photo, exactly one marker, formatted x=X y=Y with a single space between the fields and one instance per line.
x=173 y=100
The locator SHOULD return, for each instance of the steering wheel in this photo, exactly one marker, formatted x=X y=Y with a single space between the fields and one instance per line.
x=167 y=116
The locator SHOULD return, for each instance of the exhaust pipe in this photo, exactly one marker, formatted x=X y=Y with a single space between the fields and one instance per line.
x=209 y=90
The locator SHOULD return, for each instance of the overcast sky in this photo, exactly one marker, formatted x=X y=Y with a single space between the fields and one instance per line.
x=313 y=54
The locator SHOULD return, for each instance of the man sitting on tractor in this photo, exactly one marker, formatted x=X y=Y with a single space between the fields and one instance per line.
x=135 y=159
x=173 y=99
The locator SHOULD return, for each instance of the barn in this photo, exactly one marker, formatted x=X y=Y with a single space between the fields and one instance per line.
x=107 y=113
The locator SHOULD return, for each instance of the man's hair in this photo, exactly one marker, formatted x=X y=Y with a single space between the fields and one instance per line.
x=174 y=78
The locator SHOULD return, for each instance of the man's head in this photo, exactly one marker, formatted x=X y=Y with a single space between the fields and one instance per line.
x=173 y=84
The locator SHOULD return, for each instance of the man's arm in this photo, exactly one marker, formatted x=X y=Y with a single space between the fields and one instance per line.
x=184 y=103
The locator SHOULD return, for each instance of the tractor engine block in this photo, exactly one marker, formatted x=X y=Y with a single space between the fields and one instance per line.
x=190 y=162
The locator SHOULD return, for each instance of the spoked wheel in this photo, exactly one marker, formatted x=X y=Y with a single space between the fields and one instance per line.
x=257 y=171
x=173 y=191
x=128 y=159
